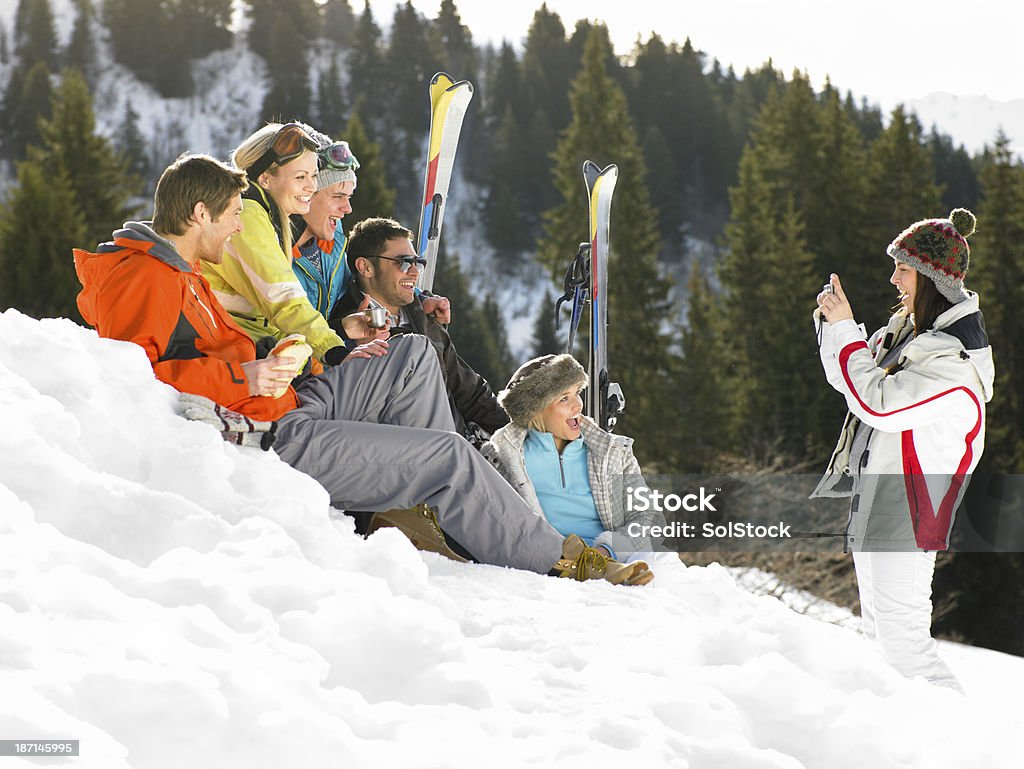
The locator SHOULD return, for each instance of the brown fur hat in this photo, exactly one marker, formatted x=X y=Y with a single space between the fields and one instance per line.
x=537 y=383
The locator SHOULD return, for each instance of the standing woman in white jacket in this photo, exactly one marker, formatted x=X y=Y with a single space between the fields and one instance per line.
x=916 y=391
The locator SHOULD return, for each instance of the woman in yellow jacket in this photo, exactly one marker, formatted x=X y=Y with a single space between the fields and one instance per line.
x=255 y=281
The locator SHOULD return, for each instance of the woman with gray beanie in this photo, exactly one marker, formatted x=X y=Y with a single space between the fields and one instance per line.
x=566 y=467
x=916 y=391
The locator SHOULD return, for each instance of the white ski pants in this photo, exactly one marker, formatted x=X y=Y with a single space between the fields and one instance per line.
x=896 y=610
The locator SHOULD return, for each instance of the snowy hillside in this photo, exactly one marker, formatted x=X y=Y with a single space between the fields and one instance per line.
x=972 y=121
x=170 y=600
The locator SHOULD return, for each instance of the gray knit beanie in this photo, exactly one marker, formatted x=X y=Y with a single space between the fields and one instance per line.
x=537 y=383
x=937 y=248
x=325 y=177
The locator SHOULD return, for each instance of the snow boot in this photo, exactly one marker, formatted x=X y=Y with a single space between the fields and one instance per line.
x=581 y=563
x=419 y=524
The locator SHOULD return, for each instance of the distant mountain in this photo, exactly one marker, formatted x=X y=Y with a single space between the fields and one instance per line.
x=972 y=121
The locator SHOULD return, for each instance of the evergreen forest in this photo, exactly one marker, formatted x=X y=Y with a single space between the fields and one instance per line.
x=738 y=194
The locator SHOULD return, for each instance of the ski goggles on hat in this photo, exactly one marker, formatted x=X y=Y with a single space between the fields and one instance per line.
x=290 y=141
x=406 y=261
x=339 y=157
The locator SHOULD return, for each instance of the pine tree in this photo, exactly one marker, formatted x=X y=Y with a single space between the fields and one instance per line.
x=477 y=331
x=954 y=172
x=835 y=209
x=132 y=143
x=601 y=130
x=39 y=225
x=366 y=69
x=288 y=94
x=202 y=26
x=772 y=370
x=673 y=94
x=330 y=99
x=997 y=272
x=339 y=22
x=901 y=190
x=96 y=173
x=31 y=104
x=459 y=59
x=456 y=44
x=504 y=165
x=412 y=57
x=373 y=196
x=500 y=364
x=750 y=95
x=80 y=50
x=800 y=190
x=265 y=17
x=509 y=229
x=35 y=38
x=155 y=59
x=547 y=69
x=699 y=382
x=545 y=339
x=27 y=93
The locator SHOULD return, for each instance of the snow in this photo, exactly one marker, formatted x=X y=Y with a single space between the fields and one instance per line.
x=172 y=600
x=973 y=121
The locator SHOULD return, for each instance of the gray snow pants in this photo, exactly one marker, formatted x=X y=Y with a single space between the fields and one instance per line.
x=378 y=434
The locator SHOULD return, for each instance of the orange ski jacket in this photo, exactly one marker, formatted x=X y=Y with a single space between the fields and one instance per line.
x=139 y=289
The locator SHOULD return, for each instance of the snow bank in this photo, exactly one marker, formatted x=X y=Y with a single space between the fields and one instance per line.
x=171 y=600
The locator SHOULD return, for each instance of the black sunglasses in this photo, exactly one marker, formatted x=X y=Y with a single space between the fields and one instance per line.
x=407 y=261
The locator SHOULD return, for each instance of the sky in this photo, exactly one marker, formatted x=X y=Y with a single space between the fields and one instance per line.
x=171 y=600
x=886 y=50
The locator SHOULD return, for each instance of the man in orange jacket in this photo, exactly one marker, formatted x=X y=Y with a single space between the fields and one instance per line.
x=375 y=431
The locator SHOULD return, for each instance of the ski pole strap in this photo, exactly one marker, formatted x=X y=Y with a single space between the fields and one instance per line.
x=576 y=277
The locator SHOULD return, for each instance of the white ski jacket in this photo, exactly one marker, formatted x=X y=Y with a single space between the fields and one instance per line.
x=927 y=423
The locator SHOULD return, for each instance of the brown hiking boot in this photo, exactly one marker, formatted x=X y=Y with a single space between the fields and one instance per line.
x=581 y=562
x=419 y=524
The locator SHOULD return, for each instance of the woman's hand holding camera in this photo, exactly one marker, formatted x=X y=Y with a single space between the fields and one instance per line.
x=833 y=302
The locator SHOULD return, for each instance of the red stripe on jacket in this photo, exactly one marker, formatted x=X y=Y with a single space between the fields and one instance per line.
x=930 y=529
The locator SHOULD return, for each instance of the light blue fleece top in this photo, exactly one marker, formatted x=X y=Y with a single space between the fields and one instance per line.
x=562 y=483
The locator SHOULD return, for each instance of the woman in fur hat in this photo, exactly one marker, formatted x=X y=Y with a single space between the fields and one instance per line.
x=566 y=467
x=916 y=391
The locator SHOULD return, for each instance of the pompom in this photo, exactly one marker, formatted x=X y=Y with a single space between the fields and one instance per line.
x=963 y=220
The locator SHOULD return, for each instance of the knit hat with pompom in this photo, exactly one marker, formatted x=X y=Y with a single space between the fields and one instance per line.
x=937 y=248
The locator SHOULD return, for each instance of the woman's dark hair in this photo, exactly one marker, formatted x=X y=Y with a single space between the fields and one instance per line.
x=929 y=304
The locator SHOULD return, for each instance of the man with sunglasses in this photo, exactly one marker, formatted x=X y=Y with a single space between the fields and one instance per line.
x=320 y=241
x=385 y=268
